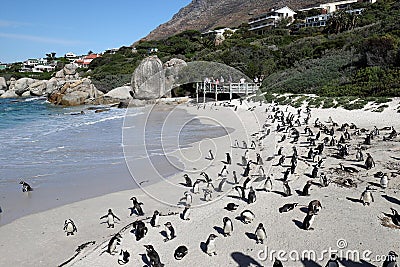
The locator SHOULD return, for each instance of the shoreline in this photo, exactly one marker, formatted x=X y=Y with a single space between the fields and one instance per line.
x=46 y=227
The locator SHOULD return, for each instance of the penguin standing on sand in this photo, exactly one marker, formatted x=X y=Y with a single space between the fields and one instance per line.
x=187 y=198
x=306 y=189
x=247 y=216
x=140 y=229
x=196 y=186
x=287 y=207
x=367 y=197
x=155 y=219
x=170 y=231
x=231 y=206
x=286 y=189
x=260 y=233
x=323 y=180
x=369 y=162
x=251 y=198
x=308 y=220
x=221 y=184
x=210 y=245
x=186 y=213
x=123 y=257
x=153 y=256
x=224 y=172
x=314 y=172
x=235 y=179
x=25 y=187
x=188 y=181
x=207 y=195
x=259 y=159
x=113 y=243
x=247 y=169
x=384 y=181
x=69 y=227
x=228 y=159
x=110 y=218
x=390 y=260
x=395 y=217
x=210 y=155
x=137 y=206
x=314 y=206
x=268 y=184
x=228 y=226
x=333 y=261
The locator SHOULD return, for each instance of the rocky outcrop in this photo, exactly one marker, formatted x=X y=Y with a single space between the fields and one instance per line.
x=37 y=88
x=9 y=94
x=3 y=84
x=172 y=69
x=74 y=98
x=22 y=85
x=119 y=93
x=148 y=80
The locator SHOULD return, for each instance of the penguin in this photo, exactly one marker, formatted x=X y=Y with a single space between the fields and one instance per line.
x=113 y=243
x=244 y=145
x=228 y=159
x=369 y=162
x=261 y=172
x=333 y=261
x=260 y=233
x=240 y=191
x=207 y=195
x=367 y=197
x=247 y=169
x=123 y=257
x=25 y=187
x=323 y=180
x=287 y=207
x=210 y=245
x=221 y=184
x=384 y=181
x=314 y=172
x=286 y=189
x=247 y=216
x=207 y=179
x=231 y=206
x=259 y=159
x=314 y=206
x=306 y=189
x=140 y=229
x=277 y=263
x=188 y=181
x=187 y=198
x=180 y=252
x=286 y=175
x=137 y=206
x=235 y=179
x=154 y=220
x=69 y=227
x=268 y=184
x=153 y=256
x=308 y=220
x=110 y=218
x=279 y=153
x=359 y=155
x=186 y=213
x=395 y=217
x=228 y=226
x=251 y=198
x=390 y=260
x=210 y=154
x=223 y=172
x=348 y=169
x=170 y=231
x=196 y=187
x=281 y=160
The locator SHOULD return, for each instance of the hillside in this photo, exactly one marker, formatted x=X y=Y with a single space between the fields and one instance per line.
x=203 y=15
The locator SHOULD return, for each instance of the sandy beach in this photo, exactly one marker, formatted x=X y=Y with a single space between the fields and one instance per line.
x=343 y=223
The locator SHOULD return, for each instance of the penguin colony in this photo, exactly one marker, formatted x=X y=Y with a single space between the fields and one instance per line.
x=293 y=129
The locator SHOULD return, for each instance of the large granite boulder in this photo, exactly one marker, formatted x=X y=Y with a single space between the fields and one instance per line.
x=60 y=74
x=9 y=94
x=148 y=80
x=119 y=93
x=22 y=85
x=70 y=69
x=3 y=84
x=75 y=98
x=172 y=69
x=38 y=88
x=51 y=85
x=26 y=94
x=11 y=83
x=2 y=92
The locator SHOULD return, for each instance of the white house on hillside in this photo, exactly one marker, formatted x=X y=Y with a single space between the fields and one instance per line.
x=262 y=23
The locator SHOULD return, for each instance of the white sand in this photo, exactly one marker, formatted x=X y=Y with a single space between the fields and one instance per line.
x=38 y=239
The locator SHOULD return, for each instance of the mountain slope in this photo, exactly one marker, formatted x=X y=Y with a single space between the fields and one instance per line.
x=203 y=15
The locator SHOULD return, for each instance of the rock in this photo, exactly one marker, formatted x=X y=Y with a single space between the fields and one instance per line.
x=70 y=69
x=22 y=85
x=134 y=103
x=11 y=83
x=60 y=74
x=9 y=94
x=38 y=88
x=26 y=94
x=2 y=92
x=119 y=93
x=172 y=69
x=3 y=84
x=75 y=98
x=51 y=85
x=148 y=81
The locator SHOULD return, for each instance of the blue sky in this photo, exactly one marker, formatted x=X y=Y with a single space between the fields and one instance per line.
x=30 y=29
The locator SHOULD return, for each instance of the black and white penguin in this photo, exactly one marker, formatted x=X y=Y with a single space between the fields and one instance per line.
x=384 y=181
x=187 y=198
x=286 y=189
x=170 y=231
x=155 y=219
x=235 y=179
x=369 y=162
x=69 y=227
x=281 y=160
x=110 y=218
x=224 y=172
x=231 y=206
x=196 y=186
x=260 y=233
x=367 y=197
x=137 y=206
x=259 y=159
x=153 y=256
x=210 y=155
x=390 y=260
x=277 y=263
x=113 y=243
x=247 y=169
x=25 y=186
x=323 y=180
x=287 y=207
x=314 y=172
x=180 y=252
x=308 y=220
x=228 y=159
x=247 y=216
x=188 y=181
x=207 y=195
x=228 y=226
x=210 y=245
x=314 y=206
x=123 y=257
x=186 y=213
x=221 y=184
x=140 y=229
x=395 y=217
x=333 y=261
x=251 y=198
x=306 y=189
x=268 y=184
x=279 y=153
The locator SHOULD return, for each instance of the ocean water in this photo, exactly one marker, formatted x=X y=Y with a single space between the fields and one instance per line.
x=67 y=157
